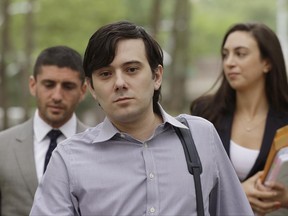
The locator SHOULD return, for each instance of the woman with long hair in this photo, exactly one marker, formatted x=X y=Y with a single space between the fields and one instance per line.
x=248 y=107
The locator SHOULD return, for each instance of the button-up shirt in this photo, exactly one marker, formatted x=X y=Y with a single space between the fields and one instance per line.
x=103 y=172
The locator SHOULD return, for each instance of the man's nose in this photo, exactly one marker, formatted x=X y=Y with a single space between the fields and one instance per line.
x=120 y=81
x=57 y=94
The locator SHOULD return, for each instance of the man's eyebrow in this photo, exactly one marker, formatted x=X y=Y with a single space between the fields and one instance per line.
x=62 y=82
x=131 y=62
x=47 y=80
x=122 y=65
x=68 y=82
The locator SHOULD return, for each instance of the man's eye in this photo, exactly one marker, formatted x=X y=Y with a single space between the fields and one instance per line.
x=69 y=86
x=49 y=85
x=132 y=69
x=105 y=74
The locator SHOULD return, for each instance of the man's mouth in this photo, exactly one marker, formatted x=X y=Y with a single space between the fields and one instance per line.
x=55 y=108
x=122 y=99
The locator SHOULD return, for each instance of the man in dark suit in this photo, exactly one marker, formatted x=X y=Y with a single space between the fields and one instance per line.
x=58 y=84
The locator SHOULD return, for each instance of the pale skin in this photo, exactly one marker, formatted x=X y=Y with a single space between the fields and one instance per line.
x=245 y=71
x=58 y=91
x=125 y=88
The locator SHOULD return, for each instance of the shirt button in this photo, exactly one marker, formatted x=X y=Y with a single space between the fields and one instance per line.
x=151 y=175
x=152 y=210
x=145 y=145
x=122 y=135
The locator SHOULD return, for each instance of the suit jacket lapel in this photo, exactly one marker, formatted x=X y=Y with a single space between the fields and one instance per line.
x=225 y=131
x=274 y=121
x=23 y=148
x=24 y=151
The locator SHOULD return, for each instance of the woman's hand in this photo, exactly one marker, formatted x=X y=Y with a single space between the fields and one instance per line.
x=279 y=189
x=262 y=199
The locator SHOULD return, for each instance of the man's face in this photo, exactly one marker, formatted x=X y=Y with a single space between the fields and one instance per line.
x=125 y=88
x=58 y=92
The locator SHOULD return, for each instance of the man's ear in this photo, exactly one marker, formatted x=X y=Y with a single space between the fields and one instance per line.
x=158 y=75
x=83 y=91
x=32 y=85
x=91 y=88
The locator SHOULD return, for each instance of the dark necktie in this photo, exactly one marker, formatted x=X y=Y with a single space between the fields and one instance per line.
x=53 y=135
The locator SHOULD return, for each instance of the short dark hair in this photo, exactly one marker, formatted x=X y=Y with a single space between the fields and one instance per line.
x=101 y=48
x=60 y=56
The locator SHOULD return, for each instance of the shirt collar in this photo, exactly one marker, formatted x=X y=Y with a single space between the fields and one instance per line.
x=106 y=130
x=170 y=119
x=41 y=128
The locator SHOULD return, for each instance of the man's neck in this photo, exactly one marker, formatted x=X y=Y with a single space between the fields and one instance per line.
x=141 y=129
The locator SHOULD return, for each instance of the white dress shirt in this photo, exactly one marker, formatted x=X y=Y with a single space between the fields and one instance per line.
x=41 y=141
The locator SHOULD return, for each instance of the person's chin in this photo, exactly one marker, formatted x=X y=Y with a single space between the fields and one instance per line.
x=126 y=115
x=56 y=115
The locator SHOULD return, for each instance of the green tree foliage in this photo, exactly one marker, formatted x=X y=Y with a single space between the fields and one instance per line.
x=71 y=23
x=211 y=19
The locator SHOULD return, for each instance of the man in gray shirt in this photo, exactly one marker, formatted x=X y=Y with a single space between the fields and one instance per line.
x=133 y=162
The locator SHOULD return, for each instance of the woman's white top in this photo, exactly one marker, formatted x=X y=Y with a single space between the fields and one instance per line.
x=242 y=159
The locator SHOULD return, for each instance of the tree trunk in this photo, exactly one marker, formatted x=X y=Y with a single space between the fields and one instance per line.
x=3 y=61
x=26 y=67
x=179 y=66
x=155 y=18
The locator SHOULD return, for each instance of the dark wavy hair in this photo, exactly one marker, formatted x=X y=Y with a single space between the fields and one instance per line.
x=100 y=51
x=215 y=106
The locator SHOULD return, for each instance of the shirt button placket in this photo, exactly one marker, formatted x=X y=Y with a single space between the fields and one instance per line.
x=152 y=183
x=152 y=210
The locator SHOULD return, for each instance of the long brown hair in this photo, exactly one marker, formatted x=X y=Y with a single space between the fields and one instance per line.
x=214 y=106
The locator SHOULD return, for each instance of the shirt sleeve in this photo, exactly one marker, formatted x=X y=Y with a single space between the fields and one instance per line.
x=53 y=195
x=227 y=197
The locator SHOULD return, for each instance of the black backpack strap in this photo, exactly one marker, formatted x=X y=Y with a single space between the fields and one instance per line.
x=193 y=162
